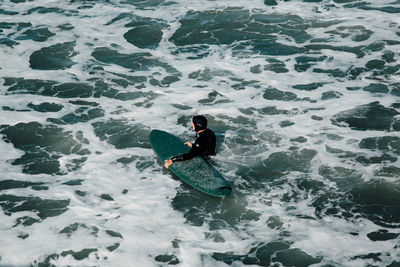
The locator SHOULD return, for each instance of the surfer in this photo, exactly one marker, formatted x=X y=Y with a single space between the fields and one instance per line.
x=203 y=146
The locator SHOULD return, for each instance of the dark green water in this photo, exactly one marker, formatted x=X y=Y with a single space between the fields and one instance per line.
x=302 y=95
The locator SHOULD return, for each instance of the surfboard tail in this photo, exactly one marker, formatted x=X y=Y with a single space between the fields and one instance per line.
x=226 y=190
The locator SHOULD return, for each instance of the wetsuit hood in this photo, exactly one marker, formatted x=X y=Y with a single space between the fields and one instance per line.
x=200 y=123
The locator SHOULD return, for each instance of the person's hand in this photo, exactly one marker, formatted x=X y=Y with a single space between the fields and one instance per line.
x=167 y=163
x=188 y=144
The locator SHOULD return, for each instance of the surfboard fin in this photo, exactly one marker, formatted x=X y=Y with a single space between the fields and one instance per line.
x=223 y=188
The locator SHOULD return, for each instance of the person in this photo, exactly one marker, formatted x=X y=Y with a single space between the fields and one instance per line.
x=203 y=146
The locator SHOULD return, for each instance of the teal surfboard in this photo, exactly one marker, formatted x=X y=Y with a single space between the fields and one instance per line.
x=197 y=172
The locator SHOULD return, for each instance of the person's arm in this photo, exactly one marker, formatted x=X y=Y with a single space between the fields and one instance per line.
x=194 y=151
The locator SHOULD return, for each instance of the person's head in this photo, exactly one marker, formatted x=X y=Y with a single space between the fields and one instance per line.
x=199 y=123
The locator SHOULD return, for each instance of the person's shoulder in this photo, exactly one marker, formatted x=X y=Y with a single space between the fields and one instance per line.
x=210 y=132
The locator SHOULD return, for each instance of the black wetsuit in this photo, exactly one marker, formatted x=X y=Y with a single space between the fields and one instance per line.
x=204 y=146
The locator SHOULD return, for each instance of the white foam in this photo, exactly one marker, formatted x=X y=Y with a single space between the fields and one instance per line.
x=144 y=216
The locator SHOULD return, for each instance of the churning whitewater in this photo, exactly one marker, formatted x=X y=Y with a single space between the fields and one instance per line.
x=303 y=96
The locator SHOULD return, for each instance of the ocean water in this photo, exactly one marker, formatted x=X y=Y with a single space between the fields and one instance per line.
x=302 y=95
